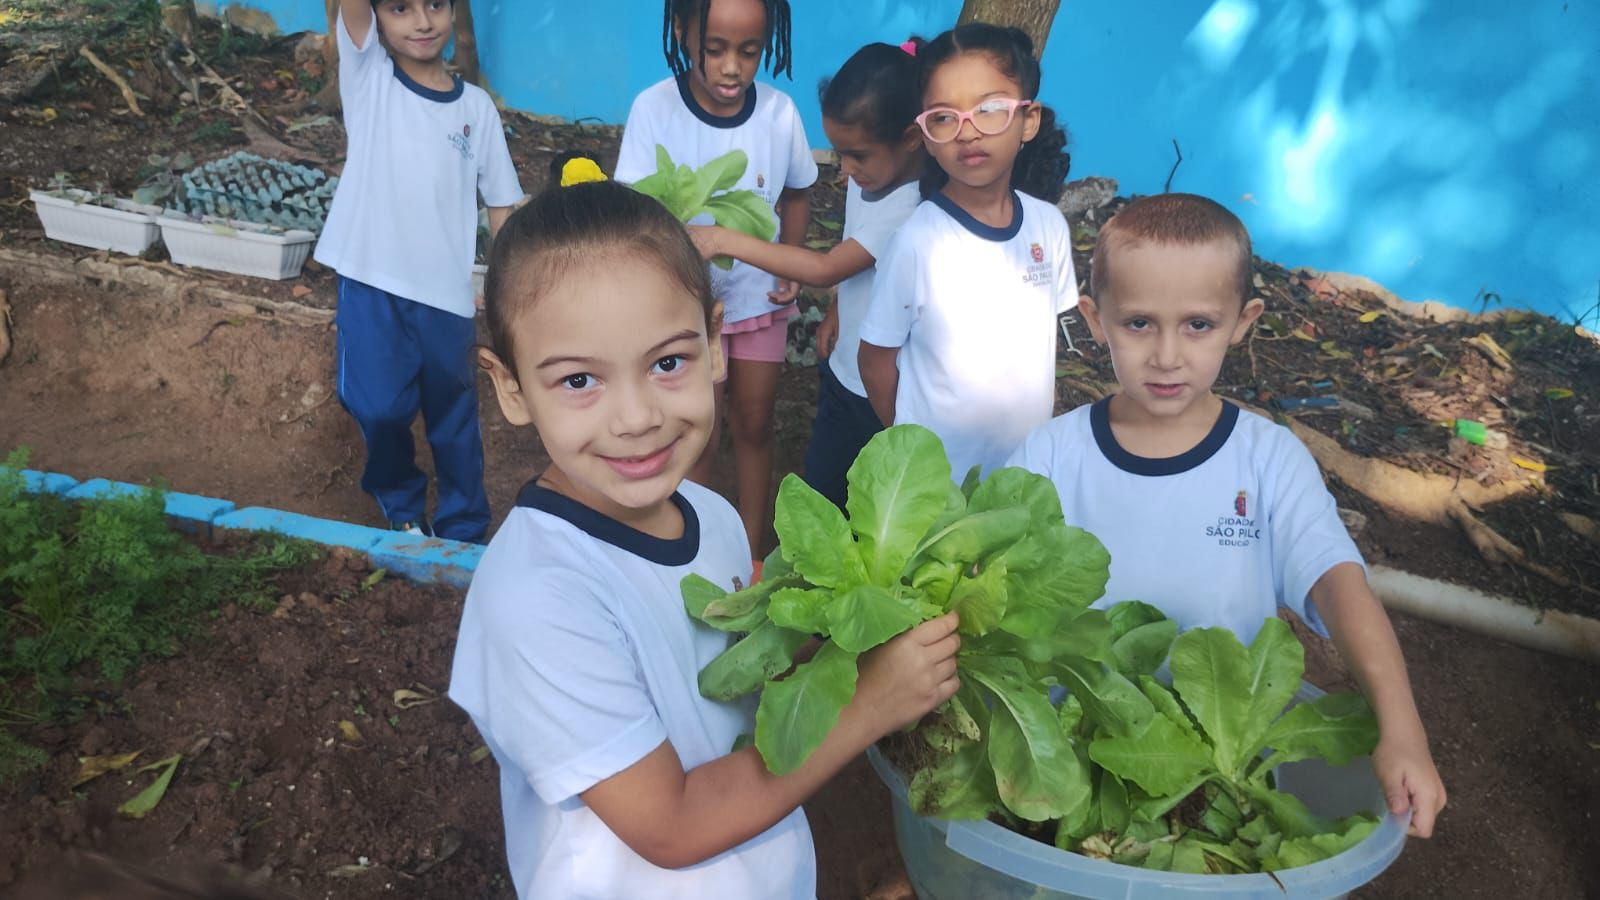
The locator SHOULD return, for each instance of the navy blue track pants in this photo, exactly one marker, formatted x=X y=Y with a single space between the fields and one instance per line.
x=398 y=357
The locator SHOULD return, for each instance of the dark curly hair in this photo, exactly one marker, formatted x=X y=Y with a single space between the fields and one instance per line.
x=876 y=89
x=1042 y=166
x=680 y=14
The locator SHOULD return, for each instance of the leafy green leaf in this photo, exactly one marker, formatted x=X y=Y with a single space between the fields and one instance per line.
x=899 y=486
x=1142 y=650
x=1235 y=693
x=1303 y=851
x=959 y=786
x=798 y=712
x=1071 y=573
x=1110 y=699
x=980 y=601
x=722 y=173
x=1162 y=760
x=146 y=800
x=1038 y=775
x=867 y=615
x=744 y=667
x=1335 y=727
x=745 y=212
x=1167 y=705
x=815 y=537
x=801 y=610
x=1130 y=614
x=974 y=537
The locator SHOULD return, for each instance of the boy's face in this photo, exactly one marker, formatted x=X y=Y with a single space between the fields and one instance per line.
x=978 y=160
x=615 y=371
x=1169 y=315
x=725 y=67
x=416 y=29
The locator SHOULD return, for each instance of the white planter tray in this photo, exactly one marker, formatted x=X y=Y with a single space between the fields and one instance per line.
x=127 y=227
x=242 y=248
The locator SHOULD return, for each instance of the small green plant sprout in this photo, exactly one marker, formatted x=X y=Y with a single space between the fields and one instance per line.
x=689 y=193
x=163 y=179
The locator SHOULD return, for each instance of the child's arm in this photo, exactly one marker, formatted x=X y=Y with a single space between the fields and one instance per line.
x=794 y=217
x=880 y=375
x=1366 y=641
x=675 y=818
x=497 y=217
x=785 y=260
x=359 y=17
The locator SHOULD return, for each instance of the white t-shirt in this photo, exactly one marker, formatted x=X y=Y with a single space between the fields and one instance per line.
x=404 y=218
x=871 y=223
x=768 y=129
x=973 y=310
x=576 y=659
x=1220 y=536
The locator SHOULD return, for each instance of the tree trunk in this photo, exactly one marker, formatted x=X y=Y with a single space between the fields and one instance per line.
x=1032 y=16
x=466 y=58
x=328 y=97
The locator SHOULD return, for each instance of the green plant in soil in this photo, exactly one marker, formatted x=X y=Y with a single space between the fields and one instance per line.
x=1192 y=792
x=90 y=589
x=1123 y=768
x=688 y=193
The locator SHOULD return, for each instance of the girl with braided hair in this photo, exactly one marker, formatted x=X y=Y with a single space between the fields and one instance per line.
x=711 y=105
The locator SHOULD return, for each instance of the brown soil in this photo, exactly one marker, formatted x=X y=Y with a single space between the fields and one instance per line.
x=136 y=376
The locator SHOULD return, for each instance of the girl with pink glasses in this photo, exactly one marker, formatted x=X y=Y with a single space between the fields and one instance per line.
x=960 y=333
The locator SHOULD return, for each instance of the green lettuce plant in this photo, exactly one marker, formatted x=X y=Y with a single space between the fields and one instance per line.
x=1123 y=768
x=688 y=193
x=1192 y=792
x=914 y=547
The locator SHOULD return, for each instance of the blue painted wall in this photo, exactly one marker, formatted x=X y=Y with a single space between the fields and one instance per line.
x=1450 y=150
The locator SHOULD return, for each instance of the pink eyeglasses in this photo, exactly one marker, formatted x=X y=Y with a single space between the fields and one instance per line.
x=942 y=124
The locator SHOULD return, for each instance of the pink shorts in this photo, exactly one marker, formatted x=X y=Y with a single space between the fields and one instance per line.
x=764 y=338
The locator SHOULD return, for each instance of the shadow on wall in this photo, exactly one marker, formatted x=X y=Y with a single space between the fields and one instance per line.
x=1440 y=148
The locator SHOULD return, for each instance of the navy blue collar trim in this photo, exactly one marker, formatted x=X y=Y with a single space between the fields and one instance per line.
x=987 y=232
x=661 y=551
x=716 y=121
x=428 y=93
x=1100 y=424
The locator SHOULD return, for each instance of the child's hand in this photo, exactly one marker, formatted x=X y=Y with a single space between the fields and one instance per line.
x=908 y=677
x=705 y=240
x=1410 y=781
x=828 y=331
x=786 y=293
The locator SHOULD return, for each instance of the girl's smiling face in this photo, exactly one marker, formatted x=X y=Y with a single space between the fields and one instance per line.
x=724 y=66
x=615 y=367
x=973 y=160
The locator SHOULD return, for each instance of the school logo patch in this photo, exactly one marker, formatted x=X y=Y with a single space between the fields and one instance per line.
x=461 y=143
x=466 y=130
x=1038 y=253
x=761 y=180
x=1238 y=529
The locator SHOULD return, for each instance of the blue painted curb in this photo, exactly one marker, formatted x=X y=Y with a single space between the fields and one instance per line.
x=424 y=559
x=427 y=559
x=48 y=482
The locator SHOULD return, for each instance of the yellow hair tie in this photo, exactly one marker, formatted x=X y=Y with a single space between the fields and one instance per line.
x=579 y=170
